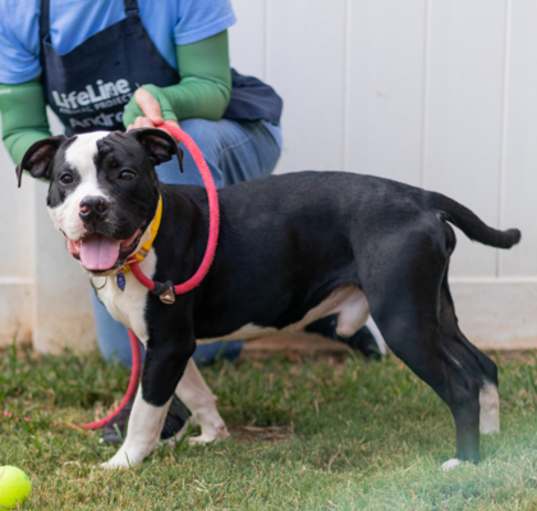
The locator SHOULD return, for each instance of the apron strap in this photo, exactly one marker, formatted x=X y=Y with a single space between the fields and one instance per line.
x=44 y=20
x=131 y=7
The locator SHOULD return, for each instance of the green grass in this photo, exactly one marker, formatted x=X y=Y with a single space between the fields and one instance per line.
x=313 y=435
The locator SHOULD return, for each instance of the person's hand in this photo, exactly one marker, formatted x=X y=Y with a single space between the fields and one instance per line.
x=150 y=107
x=147 y=108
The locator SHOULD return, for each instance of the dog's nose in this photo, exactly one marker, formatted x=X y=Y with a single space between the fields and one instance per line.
x=92 y=208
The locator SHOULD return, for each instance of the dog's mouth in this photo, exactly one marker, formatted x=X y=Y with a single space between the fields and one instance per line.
x=98 y=253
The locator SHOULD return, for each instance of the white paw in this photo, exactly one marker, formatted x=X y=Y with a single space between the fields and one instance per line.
x=214 y=435
x=122 y=459
x=450 y=464
x=113 y=464
x=201 y=439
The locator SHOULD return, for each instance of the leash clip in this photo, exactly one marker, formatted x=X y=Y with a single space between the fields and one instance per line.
x=165 y=292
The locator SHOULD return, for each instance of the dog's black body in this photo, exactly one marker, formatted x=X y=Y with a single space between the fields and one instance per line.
x=287 y=242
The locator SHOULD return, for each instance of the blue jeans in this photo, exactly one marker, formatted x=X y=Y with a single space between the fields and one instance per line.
x=235 y=152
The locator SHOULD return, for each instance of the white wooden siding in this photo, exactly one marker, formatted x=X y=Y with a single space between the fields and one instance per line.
x=434 y=93
x=437 y=94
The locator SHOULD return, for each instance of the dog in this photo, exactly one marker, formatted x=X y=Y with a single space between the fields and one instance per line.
x=292 y=249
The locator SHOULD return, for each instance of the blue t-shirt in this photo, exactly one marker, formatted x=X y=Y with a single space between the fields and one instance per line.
x=168 y=23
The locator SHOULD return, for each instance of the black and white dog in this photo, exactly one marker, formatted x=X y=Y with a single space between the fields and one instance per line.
x=292 y=249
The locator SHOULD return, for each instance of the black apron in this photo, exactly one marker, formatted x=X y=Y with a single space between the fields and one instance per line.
x=89 y=87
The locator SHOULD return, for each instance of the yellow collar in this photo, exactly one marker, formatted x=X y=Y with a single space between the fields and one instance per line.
x=141 y=254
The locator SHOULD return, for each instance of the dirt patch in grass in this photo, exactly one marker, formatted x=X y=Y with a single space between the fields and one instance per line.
x=262 y=434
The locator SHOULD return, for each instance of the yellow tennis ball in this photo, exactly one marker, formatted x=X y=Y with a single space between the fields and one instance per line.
x=15 y=486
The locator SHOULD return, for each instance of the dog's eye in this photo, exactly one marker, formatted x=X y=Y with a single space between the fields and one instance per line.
x=66 y=178
x=127 y=175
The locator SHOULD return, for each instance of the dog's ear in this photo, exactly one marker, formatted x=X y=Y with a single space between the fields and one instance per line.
x=159 y=146
x=38 y=158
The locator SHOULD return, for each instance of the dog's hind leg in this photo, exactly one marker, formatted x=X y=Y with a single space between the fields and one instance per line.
x=406 y=303
x=483 y=372
x=452 y=377
x=489 y=399
x=197 y=396
x=479 y=372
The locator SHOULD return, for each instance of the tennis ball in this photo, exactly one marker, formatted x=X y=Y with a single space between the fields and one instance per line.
x=15 y=486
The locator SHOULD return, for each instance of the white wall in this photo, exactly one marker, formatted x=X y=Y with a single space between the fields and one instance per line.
x=16 y=255
x=434 y=93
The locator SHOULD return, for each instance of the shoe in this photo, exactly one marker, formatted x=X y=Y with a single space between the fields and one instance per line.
x=177 y=417
x=115 y=431
x=362 y=341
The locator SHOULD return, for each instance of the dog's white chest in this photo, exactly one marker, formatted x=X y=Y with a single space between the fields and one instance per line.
x=128 y=305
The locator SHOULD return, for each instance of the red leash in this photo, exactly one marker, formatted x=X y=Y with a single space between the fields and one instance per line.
x=214 y=216
x=136 y=365
x=168 y=294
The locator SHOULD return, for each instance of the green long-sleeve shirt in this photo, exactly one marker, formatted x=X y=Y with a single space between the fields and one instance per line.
x=203 y=92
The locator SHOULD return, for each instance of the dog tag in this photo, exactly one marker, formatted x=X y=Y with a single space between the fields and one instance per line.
x=167 y=296
x=121 y=281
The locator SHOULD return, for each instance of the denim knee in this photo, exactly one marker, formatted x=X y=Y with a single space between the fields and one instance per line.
x=205 y=134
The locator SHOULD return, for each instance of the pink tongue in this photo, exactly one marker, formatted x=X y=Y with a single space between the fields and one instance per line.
x=98 y=252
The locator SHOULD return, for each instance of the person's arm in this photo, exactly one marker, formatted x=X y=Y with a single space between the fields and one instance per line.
x=205 y=86
x=24 y=118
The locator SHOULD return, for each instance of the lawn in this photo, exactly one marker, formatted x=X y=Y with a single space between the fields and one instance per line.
x=314 y=434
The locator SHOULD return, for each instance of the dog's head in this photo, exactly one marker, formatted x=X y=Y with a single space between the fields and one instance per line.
x=103 y=190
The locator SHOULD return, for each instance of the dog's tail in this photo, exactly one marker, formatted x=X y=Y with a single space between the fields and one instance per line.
x=471 y=224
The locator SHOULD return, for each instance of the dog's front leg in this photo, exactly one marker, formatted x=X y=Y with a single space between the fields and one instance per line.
x=145 y=424
x=164 y=365
x=194 y=392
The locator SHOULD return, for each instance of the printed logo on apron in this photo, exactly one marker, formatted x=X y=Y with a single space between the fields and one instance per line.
x=92 y=98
